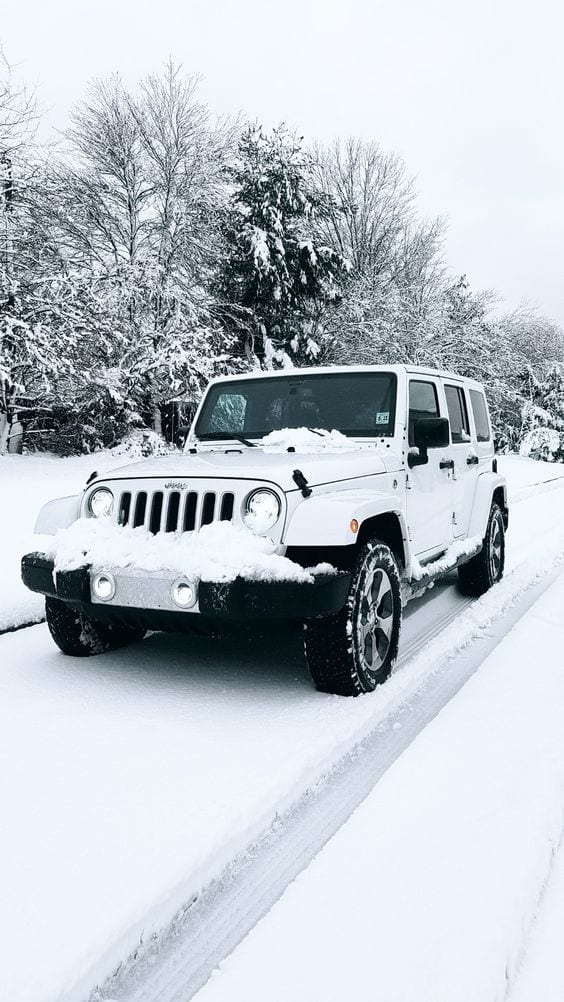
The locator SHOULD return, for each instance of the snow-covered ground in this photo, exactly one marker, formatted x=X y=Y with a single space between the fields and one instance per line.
x=130 y=781
x=27 y=482
x=540 y=975
x=430 y=889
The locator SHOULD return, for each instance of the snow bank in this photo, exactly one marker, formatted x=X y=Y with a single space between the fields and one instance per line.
x=526 y=477
x=307 y=440
x=218 y=552
x=435 y=879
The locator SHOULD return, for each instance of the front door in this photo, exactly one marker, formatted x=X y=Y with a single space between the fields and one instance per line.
x=429 y=493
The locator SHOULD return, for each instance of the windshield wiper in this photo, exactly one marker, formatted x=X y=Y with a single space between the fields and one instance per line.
x=245 y=441
x=218 y=436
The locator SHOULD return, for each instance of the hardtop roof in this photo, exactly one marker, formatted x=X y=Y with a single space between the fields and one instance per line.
x=422 y=370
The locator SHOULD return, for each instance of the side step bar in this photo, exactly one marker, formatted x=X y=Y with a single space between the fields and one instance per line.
x=437 y=568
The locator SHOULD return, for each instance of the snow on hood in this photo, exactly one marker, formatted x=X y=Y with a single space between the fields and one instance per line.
x=307 y=440
x=217 y=552
x=321 y=458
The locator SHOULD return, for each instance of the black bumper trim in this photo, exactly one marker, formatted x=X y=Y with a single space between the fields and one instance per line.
x=70 y=586
x=238 y=600
x=241 y=599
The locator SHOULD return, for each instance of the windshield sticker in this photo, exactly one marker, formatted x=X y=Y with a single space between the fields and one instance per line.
x=382 y=417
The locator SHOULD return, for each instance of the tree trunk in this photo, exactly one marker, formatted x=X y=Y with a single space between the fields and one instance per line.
x=4 y=433
x=157 y=420
x=15 y=438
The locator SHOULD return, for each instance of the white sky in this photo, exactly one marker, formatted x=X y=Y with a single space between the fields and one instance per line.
x=471 y=94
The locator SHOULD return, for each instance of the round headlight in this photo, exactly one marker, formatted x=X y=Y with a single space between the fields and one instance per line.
x=262 y=510
x=101 y=502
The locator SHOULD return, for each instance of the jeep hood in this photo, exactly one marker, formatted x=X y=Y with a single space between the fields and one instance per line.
x=278 y=468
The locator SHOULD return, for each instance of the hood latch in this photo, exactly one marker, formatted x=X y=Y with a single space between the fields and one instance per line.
x=301 y=482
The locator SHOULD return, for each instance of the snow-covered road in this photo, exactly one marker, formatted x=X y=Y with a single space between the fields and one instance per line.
x=130 y=782
x=430 y=888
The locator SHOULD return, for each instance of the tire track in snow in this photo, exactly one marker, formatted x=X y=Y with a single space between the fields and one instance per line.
x=173 y=965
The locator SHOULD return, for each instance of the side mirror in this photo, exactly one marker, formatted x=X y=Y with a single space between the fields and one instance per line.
x=431 y=433
x=181 y=435
x=428 y=433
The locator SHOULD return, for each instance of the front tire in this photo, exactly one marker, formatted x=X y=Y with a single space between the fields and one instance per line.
x=481 y=572
x=354 y=651
x=76 y=634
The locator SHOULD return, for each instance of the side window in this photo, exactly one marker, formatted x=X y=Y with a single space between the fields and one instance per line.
x=480 y=412
x=228 y=413
x=457 y=414
x=423 y=403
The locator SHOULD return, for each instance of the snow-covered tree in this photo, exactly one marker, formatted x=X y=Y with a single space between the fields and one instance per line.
x=276 y=273
x=370 y=217
x=542 y=435
x=27 y=358
x=158 y=247
x=396 y=275
x=127 y=216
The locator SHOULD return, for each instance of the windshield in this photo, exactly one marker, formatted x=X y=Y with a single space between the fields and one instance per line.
x=358 y=404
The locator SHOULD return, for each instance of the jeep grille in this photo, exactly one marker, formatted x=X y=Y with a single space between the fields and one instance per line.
x=174 y=511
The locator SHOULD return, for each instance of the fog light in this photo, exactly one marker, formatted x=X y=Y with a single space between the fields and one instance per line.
x=104 y=586
x=183 y=593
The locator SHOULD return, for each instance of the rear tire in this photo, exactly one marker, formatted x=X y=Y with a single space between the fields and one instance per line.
x=76 y=634
x=354 y=651
x=481 y=572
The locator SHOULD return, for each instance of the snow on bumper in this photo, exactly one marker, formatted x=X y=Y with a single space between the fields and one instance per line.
x=149 y=594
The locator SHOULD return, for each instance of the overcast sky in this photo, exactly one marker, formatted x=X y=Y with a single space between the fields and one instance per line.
x=470 y=94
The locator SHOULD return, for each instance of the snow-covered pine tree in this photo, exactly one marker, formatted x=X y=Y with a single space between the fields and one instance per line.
x=275 y=272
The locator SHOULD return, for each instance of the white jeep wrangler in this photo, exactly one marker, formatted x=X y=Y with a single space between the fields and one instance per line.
x=402 y=488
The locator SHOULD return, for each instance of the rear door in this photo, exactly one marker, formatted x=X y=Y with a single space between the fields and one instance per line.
x=429 y=487
x=462 y=451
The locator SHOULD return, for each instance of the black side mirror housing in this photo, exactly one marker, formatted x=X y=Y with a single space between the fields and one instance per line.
x=431 y=433
x=428 y=433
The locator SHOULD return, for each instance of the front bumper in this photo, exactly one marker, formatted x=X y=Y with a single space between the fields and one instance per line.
x=146 y=597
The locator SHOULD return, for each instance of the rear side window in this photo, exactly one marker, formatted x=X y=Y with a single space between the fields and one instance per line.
x=457 y=414
x=480 y=412
x=423 y=403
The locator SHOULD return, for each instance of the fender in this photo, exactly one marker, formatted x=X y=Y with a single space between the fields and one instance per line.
x=58 y=514
x=487 y=484
x=325 y=520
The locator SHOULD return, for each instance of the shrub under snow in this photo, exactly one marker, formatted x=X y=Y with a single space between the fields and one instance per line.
x=542 y=443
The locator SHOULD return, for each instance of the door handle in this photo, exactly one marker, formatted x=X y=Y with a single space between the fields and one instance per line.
x=446 y=464
x=472 y=460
